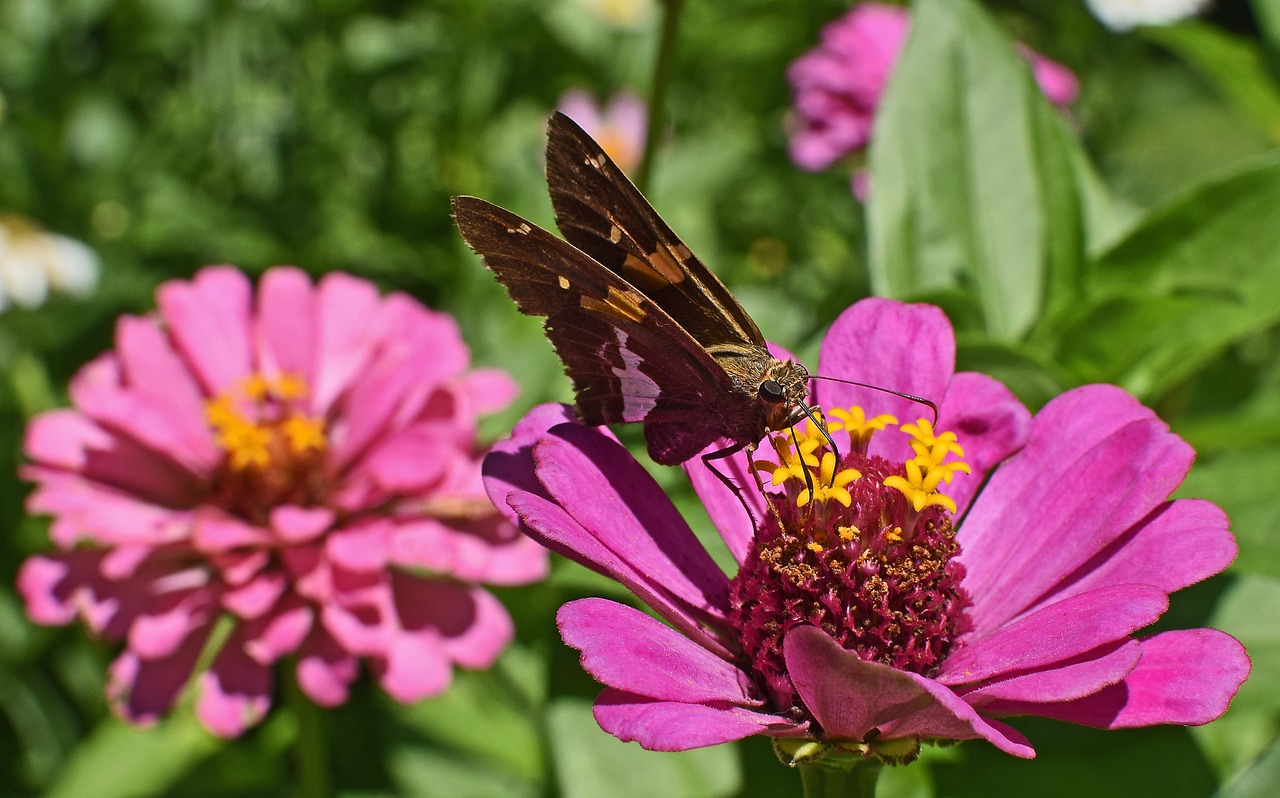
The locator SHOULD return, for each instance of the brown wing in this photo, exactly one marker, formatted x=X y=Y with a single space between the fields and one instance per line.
x=600 y=212
x=629 y=361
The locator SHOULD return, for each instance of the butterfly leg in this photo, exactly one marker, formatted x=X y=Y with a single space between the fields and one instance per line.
x=729 y=451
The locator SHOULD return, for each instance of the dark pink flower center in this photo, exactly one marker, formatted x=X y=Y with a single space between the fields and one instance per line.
x=274 y=451
x=877 y=572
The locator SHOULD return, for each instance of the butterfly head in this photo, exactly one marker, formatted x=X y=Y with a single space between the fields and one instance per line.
x=782 y=392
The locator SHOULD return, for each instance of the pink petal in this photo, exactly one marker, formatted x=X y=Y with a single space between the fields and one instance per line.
x=882 y=342
x=490 y=550
x=488 y=390
x=469 y=625
x=1186 y=677
x=294 y=524
x=160 y=632
x=140 y=691
x=235 y=693
x=42 y=583
x=215 y=531
x=673 y=726
x=991 y=425
x=280 y=633
x=1096 y=462
x=326 y=671
x=256 y=597
x=344 y=342
x=208 y=320
x=625 y=649
x=850 y=698
x=285 y=323
x=509 y=464
x=411 y=461
x=1055 y=633
x=365 y=548
x=87 y=511
x=415 y=668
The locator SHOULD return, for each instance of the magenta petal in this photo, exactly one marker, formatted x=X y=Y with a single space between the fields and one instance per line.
x=625 y=649
x=208 y=319
x=286 y=323
x=467 y=623
x=674 y=726
x=509 y=465
x=366 y=548
x=1062 y=683
x=489 y=390
x=298 y=524
x=1097 y=462
x=1055 y=633
x=408 y=461
x=850 y=698
x=615 y=499
x=281 y=633
x=889 y=344
x=550 y=525
x=1186 y=677
x=731 y=519
x=1179 y=544
x=41 y=583
x=990 y=423
x=235 y=693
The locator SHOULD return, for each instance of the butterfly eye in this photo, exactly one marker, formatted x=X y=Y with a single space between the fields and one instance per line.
x=771 y=391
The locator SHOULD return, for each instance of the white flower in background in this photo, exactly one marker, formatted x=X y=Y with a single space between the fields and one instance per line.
x=1126 y=14
x=33 y=261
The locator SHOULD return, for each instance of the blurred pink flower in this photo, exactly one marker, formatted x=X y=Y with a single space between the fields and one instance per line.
x=838 y=85
x=303 y=463
x=619 y=127
x=920 y=588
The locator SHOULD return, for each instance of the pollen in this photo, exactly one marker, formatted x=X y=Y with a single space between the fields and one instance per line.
x=260 y=425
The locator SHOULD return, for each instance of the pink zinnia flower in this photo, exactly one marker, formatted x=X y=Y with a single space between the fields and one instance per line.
x=838 y=85
x=302 y=462
x=939 y=580
x=618 y=127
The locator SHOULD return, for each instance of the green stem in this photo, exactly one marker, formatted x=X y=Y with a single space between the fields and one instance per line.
x=310 y=752
x=847 y=779
x=658 y=91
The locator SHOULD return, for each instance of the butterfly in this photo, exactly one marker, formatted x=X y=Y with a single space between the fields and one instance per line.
x=645 y=331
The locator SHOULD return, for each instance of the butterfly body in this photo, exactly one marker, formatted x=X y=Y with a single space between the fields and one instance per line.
x=646 y=332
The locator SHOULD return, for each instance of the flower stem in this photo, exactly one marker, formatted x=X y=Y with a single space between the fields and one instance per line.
x=310 y=753
x=843 y=778
x=658 y=91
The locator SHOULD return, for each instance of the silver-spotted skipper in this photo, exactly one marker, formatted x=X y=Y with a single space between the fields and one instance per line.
x=646 y=332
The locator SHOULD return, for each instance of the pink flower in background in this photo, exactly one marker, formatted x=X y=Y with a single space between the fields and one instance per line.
x=920 y=586
x=302 y=462
x=619 y=127
x=838 y=85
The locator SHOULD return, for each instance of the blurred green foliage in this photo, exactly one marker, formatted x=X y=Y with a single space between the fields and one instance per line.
x=1136 y=241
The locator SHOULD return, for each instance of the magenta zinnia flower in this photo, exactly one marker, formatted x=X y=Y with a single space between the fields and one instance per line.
x=302 y=463
x=838 y=85
x=932 y=581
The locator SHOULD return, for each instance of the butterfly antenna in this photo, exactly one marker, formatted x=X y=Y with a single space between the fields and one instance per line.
x=822 y=427
x=910 y=397
x=808 y=479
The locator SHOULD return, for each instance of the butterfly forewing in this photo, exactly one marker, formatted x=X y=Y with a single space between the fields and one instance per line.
x=599 y=211
x=629 y=361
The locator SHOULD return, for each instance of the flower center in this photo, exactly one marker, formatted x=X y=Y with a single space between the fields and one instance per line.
x=274 y=449
x=859 y=546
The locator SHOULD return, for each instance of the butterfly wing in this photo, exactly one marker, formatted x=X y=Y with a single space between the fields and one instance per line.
x=600 y=212
x=627 y=358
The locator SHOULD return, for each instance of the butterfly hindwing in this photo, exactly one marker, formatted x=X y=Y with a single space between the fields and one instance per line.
x=599 y=211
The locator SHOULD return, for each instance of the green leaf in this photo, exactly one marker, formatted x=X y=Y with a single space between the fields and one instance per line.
x=973 y=180
x=118 y=760
x=590 y=762
x=1233 y=64
x=1267 y=13
x=1194 y=276
x=1260 y=780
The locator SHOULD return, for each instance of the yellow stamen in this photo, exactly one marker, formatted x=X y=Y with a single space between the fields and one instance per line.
x=264 y=431
x=860 y=427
